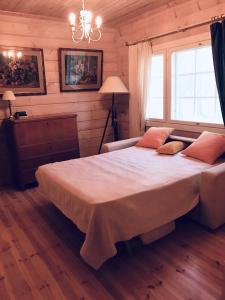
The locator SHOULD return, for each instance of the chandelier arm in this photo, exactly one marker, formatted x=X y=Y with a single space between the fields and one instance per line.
x=75 y=37
x=76 y=40
x=99 y=35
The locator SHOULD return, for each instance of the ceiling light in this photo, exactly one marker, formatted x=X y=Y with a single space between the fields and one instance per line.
x=83 y=30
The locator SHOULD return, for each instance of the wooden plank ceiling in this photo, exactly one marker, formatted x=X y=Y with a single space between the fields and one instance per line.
x=112 y=11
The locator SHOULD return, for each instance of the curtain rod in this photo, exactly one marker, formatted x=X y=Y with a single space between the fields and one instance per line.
x=178 y=30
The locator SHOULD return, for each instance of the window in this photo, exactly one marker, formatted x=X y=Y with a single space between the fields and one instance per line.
x=156 y=97
x=193 y=88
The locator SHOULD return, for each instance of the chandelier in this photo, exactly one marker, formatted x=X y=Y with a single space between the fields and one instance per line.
x=84 y=29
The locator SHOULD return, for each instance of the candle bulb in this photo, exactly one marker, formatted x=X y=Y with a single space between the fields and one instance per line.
x=98 y=22
x=72 y=19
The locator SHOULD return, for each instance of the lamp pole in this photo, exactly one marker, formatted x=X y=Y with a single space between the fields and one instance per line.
x=113 y=113
x=114 y=119
x=10 y=109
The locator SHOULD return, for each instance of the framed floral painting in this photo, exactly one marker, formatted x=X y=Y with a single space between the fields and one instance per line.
x=80 y=69
x=22 y=71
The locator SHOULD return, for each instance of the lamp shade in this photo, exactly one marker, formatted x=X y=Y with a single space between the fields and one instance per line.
x=8 y=96
x=113 y=84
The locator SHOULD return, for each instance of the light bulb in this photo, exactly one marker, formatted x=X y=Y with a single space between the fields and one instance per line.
x=5 y=53
x=72 y=19
x=98 y=22
x=10 y=54
x=19 y=54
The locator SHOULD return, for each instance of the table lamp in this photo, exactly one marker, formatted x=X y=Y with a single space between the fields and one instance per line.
x=112 y=85
x=9 y=96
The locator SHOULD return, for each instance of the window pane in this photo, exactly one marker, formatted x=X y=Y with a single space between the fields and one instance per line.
x=156 y=108
x=185 y=86
x=156 y=90
x=155 y=102
x=194 y=93
x=205 y=85
x=208 y=109
x=185 y=109
x=204 y=54
x=184 y=62
x=157 y=65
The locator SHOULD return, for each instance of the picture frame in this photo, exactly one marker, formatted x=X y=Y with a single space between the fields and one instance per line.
x=80 y=69
x=22 y=71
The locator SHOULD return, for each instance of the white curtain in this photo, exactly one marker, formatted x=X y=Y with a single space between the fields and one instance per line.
x=140 y=56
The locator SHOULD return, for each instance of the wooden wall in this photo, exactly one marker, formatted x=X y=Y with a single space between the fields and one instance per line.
x=91 y=107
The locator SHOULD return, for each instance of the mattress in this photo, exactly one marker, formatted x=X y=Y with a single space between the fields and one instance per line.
x=118 y=195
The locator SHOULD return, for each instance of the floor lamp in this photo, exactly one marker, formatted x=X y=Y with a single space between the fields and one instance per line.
x=112 y=85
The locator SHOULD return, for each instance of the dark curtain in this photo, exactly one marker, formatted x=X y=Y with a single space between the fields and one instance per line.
x=218 y=48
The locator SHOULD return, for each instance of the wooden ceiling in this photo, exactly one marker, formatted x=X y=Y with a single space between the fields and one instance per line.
x=112 y=11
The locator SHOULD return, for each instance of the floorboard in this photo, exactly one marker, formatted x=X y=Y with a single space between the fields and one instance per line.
x=39 y=259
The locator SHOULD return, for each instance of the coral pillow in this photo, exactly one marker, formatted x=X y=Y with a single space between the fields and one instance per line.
x=171 y=148
x=208 y=147
x=155 y=137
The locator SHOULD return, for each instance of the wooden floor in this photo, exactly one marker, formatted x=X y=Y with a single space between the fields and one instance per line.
x=39 y=259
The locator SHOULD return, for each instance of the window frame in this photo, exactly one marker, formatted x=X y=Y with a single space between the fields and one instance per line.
x=169 y=79
x=167 y=51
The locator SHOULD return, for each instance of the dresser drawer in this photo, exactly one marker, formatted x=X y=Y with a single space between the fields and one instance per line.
x=31 y=133
x=64 y=145
x=65 y=156
x=45 y=130
x=66 y=129
x=34 y=163
x=34 y=151
x=43 y=160
x=30 y=151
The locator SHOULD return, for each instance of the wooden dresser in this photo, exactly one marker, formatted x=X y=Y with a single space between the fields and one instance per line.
x=35 y=141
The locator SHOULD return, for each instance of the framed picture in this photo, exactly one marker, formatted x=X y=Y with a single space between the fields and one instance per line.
x=80 y=69
x=22 y=71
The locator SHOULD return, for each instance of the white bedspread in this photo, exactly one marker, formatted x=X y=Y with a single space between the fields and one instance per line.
x=118 y=195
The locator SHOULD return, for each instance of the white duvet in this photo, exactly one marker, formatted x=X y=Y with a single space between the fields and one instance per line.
x=118 y=195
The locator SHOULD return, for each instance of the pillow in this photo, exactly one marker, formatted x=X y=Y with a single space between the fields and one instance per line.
x=155 y=137
x=171 y=148
x=208 y=147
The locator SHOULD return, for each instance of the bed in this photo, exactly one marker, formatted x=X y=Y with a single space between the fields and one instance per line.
x=121 y=194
